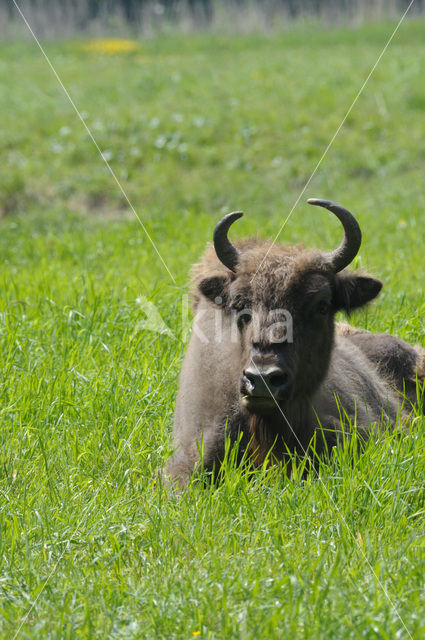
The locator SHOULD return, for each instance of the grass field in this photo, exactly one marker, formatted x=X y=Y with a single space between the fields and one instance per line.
x=91 y=546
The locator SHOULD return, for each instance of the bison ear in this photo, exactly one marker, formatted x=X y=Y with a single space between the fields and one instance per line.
x=215 y=289
x=355 y=290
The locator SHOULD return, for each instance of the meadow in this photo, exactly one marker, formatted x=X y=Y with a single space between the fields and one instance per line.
x=91 y=544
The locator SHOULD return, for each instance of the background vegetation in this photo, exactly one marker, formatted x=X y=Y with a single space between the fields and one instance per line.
x=58 y=17
x=90 y=543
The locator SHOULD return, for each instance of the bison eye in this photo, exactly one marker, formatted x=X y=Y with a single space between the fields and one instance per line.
x=323 y=307
x=244 y=318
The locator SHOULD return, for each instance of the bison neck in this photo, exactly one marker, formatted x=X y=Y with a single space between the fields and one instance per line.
x=280 y=433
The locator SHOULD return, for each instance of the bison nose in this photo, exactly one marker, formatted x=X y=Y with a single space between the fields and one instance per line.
x=265 y=382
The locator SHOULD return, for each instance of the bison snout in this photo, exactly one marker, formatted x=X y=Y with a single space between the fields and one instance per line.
x=265 y=383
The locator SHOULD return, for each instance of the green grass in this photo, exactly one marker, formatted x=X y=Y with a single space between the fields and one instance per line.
x=91 y=546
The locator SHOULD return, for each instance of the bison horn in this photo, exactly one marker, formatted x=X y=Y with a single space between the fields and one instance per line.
x=349 y=247
x=226 y=252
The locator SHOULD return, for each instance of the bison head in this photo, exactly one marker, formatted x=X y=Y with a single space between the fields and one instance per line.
x=283 y=300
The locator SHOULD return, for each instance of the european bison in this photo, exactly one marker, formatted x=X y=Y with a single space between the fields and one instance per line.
x=266 y=362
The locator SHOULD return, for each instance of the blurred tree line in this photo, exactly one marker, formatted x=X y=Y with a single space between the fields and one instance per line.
x=133 y=11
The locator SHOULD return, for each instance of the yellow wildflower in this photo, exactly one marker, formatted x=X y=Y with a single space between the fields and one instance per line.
x=111 y=46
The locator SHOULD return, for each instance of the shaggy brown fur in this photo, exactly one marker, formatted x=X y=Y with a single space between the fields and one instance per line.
x=337 y=378
x=400 y=364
